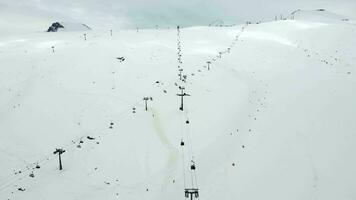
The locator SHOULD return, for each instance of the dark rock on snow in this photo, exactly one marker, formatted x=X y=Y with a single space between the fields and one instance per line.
x=54 y=27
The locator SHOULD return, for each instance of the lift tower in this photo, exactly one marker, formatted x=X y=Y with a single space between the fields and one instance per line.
x=59 y=151
x=182 y=94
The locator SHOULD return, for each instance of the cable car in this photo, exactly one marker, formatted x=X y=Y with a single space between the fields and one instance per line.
x=192 y=167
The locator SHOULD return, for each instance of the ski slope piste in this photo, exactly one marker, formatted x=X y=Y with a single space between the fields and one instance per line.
x=270 y=112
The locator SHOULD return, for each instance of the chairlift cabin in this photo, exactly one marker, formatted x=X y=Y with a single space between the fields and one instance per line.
x=192 y=192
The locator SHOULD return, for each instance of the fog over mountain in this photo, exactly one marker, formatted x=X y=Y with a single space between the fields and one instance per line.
x=132 y=13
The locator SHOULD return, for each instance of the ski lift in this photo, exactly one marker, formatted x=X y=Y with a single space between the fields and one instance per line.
x=181 y=143
x=192 y=167
x=190 y=192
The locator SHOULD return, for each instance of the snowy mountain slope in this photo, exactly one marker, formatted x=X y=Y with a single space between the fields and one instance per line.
x=320 y=15
x=272 y=119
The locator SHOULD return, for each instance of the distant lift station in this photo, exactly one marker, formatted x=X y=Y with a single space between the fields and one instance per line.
x=192 y=193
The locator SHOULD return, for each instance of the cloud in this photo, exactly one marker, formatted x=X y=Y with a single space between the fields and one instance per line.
x=148 y=13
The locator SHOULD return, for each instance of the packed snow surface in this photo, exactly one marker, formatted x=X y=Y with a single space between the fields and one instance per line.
x=273 y=118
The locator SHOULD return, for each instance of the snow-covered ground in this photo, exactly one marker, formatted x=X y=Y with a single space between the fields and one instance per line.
x=273 y=118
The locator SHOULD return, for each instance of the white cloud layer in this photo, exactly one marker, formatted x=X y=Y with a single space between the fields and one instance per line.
x=148 y=13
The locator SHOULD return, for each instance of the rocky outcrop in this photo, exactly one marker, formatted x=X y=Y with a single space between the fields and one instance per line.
x=55 y=26
x=68 y=26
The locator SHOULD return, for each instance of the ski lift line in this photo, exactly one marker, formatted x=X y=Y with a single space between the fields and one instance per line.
x=183 y=156
x=196 y=180
x=190 y=143
x=183 y=167
x=182 y=121
x=192 y=178
x=13 y=180
x=49 y=157
x=181 y=127
x=30 y=167
x=42 y=162
x=24 y=173
x=192 y=172
x=191 y=155
x=236 y=38
x=193 y=175
x=188 y=139
x=114 y=80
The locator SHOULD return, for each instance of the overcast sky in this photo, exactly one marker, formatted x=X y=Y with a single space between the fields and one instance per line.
x=132 y=13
